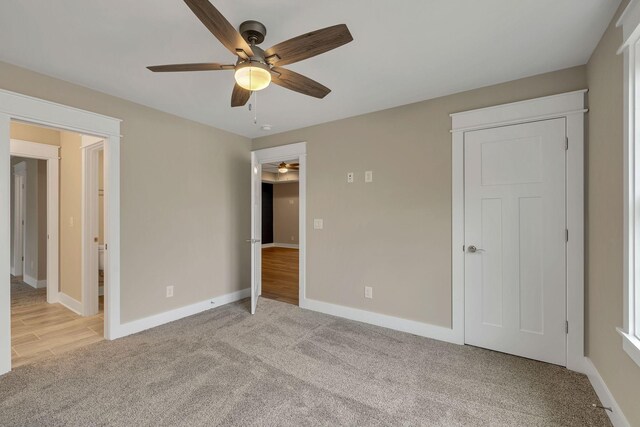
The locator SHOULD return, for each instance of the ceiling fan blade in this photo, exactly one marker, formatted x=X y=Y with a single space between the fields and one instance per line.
x=219 y=26
x=308 y=45
x=190 y=67
x=239 y=96
x=299 y=83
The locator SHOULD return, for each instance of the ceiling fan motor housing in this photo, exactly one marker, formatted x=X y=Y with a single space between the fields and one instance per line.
x=253 y=32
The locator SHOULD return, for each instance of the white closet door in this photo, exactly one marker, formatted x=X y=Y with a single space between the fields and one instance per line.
x=515 y=240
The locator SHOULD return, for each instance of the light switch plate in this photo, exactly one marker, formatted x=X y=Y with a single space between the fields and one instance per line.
x=368 y=292
x=318 y=224
x=368 y=176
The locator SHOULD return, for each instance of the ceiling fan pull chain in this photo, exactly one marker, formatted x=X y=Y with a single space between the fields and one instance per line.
x=255 y=110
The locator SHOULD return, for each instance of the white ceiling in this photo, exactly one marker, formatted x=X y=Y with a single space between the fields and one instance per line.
x=403 y=51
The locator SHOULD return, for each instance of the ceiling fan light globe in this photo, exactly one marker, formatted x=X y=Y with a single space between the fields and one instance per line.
x=253 y=76
x=283 y=170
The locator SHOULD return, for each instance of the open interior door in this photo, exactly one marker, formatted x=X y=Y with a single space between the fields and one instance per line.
x=256 y=231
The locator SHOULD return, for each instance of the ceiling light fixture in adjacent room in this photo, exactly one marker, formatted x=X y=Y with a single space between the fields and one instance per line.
x=283 y=168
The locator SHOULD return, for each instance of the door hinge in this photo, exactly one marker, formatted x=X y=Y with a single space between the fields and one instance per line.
x=22 y=258
x=566 y=327
x=105 y=246
x=566 y=143
x=463 y=248
x=566 y=234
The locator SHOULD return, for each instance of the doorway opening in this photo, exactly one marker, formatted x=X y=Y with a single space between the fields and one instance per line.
x=48 y=316
x=280 y=231
x=280 y=273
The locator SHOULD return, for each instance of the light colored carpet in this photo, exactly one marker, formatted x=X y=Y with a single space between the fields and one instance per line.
x=23 y=294
x=288 y=366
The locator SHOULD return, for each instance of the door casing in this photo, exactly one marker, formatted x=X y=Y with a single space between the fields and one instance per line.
x=570 y=106
x=296 y=151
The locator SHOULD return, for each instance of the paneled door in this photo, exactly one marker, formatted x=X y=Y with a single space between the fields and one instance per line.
x=515 y=240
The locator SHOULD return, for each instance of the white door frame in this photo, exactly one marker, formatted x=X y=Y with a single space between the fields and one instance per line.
x=570 y=106
x=50 y=154
x=15 y=106
x=297 y=151
x=19 y=216
x=91 y=147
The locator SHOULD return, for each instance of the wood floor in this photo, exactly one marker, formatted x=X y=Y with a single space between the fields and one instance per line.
x=280 y=274
x=40 y=330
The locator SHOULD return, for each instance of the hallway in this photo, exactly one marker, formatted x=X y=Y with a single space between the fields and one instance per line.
x=40 y=330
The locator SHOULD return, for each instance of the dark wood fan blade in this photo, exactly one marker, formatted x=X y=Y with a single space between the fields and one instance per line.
x=219 y=26
x=239 y=96
x=190 y=67
x=299 y=83
x=308 y=45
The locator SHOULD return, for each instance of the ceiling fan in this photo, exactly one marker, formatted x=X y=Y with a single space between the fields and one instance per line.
x=286 y=167
x=256 y=68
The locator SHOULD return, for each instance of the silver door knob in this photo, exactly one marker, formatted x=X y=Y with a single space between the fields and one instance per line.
x=472 y=249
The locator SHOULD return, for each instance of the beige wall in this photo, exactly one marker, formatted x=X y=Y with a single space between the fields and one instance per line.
x=604 y=227
x=285 y=213
x=32 y=133
x=71 y=215
x=393 y=234
x=185 y=198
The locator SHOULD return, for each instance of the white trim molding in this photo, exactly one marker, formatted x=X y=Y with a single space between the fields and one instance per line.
x=426 y=330
x=570 y=106
x=140 y=325
x=290 y=152
x=15 y=106
x=33 y=282
x=71 y=303
x=630 y=331
x=616 y=416
x=280 y=245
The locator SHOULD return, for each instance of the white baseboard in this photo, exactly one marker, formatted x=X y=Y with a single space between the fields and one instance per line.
x=33 y=282
x=178 y=313
x=386 y=321
x=70 y=303
x=286 y=245
x=616 y=415
x=281 y=245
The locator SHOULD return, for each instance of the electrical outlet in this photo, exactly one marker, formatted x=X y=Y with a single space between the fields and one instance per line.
x=368 y=292
x=293 y=238
x=368 y=176
x=169 y=291
x=70 y=221
x=318 y=224
x=350 y=177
